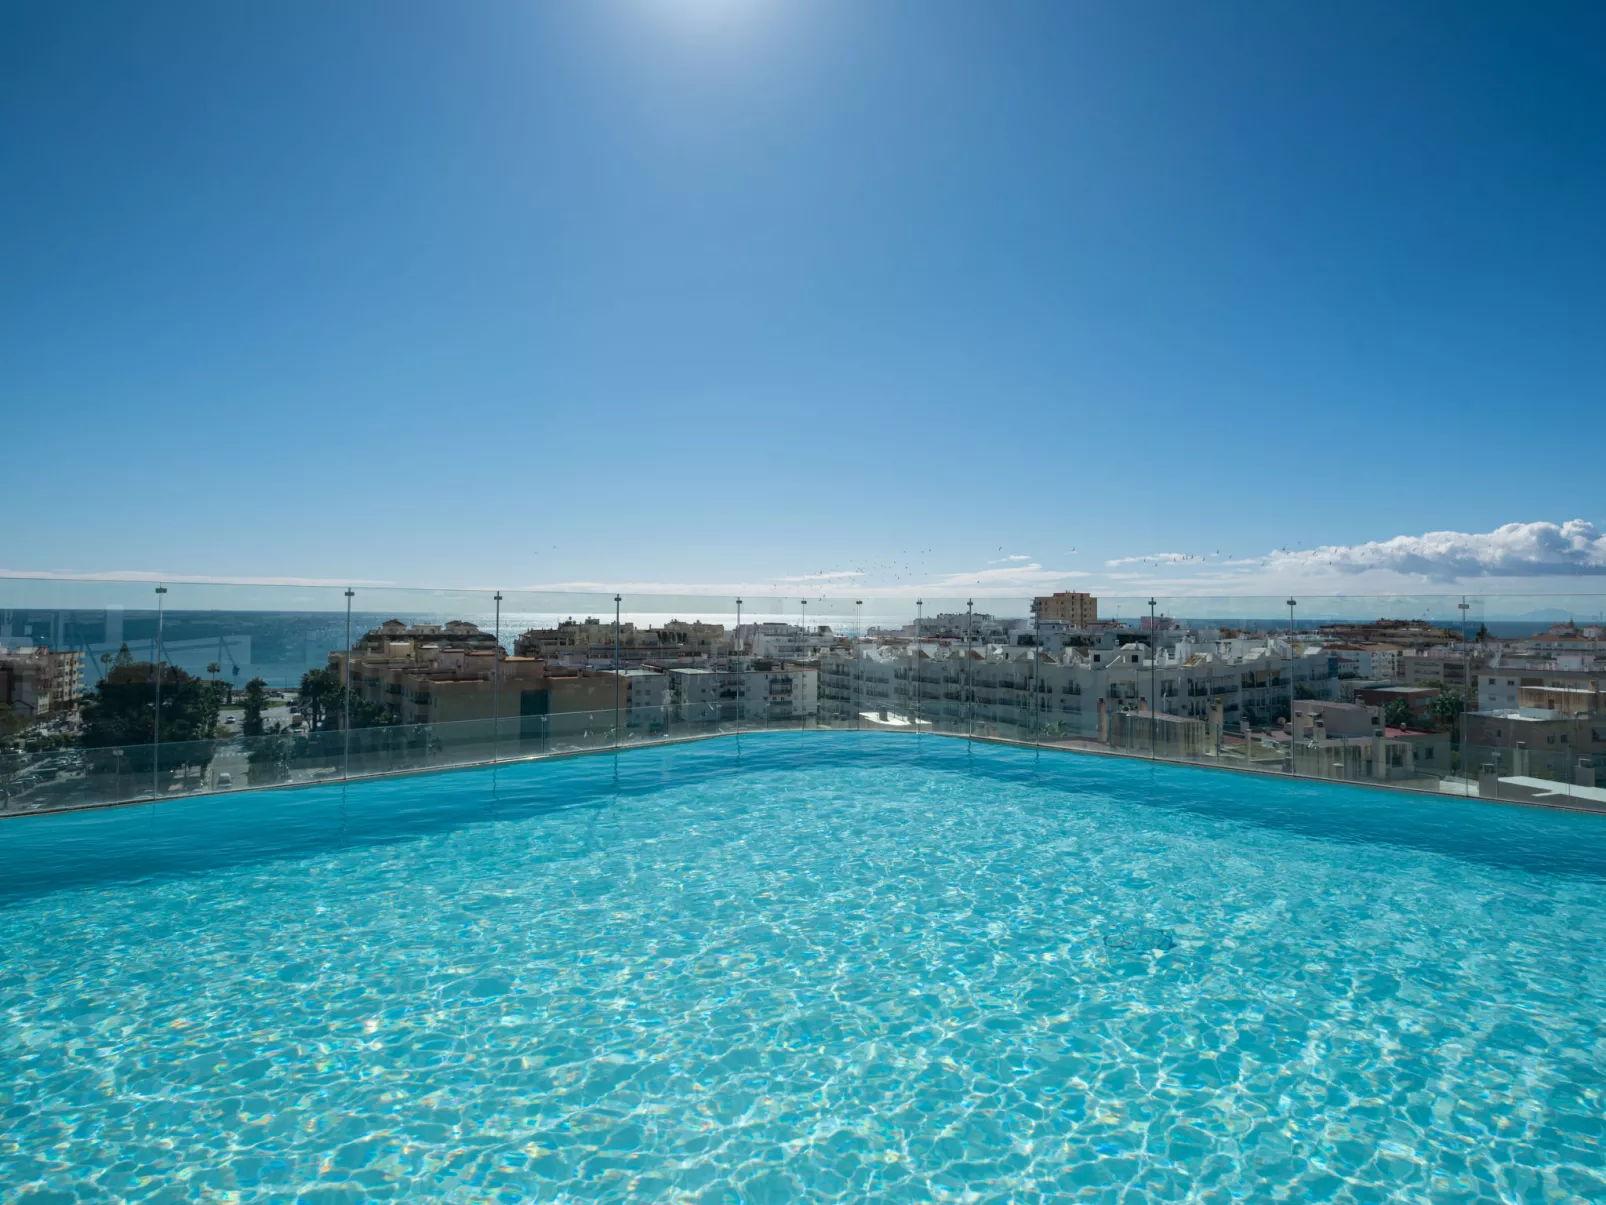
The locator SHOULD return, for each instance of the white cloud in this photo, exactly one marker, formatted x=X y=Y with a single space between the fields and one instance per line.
x=179 y=579
x=825 y=576
x=1515 y=550
x=1539 y=556
x=1031 y=574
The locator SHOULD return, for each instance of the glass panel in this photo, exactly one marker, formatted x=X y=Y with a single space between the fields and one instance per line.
x=115 y=692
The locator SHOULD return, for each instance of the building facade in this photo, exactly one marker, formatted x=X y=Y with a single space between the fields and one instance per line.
x=39 y=683
x=758 y=691
x=1068 y=607
x=1014 y=690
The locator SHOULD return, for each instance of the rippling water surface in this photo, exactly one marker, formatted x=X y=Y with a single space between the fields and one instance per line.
x=833 y=968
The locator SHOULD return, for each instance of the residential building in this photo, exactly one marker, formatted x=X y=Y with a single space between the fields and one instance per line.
x=742 y=690
x=591 y=642
x=1539 y=742
x=1565 y=638
x=1451 y=667
x=1315 y=719
x=40 y=683
x=427 y=684
x=395 y=639
x=1387 y=754
x=782 y=641
x=1067 y=606
x=976 y=627
x=1420 y=699
x=1501 y=683
x=1014 y=690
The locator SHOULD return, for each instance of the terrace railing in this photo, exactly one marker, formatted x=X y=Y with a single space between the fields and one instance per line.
x=205 y=642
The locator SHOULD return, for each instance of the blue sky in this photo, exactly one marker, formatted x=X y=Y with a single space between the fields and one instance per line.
x=714 y=292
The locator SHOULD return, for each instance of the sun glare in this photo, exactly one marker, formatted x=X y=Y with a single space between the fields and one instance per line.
x=711 y=14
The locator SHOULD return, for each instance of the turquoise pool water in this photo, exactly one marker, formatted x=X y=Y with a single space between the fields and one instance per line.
x=818 y=967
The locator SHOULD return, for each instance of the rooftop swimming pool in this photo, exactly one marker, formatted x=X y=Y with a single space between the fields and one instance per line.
x=818 y=966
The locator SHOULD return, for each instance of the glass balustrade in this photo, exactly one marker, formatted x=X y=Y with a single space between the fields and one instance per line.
x=125 y=691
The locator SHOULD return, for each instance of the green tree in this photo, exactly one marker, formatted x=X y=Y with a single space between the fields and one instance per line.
x=12 y=723
x=1397 y=714
x=256 y=700
x=325 y=702
x=367 y=714
x=268 y=761
x=13 y=726
x=121 y=713
x=320 y=697
x=1446 y=710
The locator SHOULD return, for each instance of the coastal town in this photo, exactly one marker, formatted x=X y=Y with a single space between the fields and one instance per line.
x=1399 y=701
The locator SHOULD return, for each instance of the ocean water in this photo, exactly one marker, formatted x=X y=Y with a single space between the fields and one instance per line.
x=805 y=967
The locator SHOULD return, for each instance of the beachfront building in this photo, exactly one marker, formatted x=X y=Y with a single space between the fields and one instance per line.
x=1015 y=690
x=395 y=640
x=592 y=642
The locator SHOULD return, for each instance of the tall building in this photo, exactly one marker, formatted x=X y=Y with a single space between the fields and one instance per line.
x=39 y=683
x=1067 y=606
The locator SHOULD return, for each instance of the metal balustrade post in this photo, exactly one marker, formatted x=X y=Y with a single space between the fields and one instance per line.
x=970 y=672
x=345 y=695
x=1291 y=654
x=156 y=727
x=1037 y=668
x=616 y=601
x=1466 y=682
x=1154 y=690
x=858 y=668
x=915 y=664
x=496 y=685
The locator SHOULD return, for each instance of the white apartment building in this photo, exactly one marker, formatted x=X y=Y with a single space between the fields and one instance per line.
x=1021 y=689
x=757 y=691
x=1502 y=681
x=961 y=625
x=782 y=641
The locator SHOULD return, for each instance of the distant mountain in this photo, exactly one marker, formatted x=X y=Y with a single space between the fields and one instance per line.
x=1547 y=615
